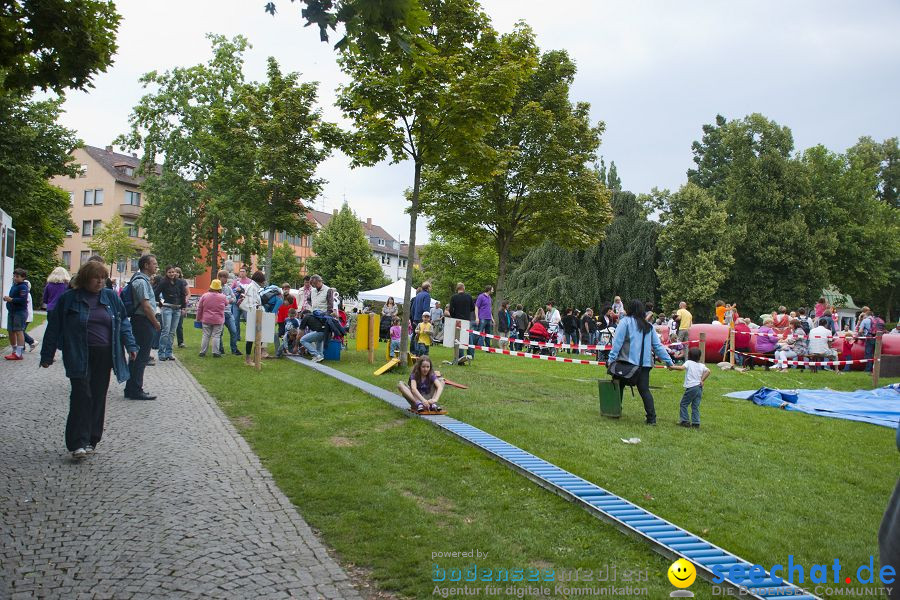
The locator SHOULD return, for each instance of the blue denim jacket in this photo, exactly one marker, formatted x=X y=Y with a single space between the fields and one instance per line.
x=67 y=331
x=628 y=328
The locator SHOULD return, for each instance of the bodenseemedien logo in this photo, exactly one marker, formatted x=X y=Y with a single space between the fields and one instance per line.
x=682 y=574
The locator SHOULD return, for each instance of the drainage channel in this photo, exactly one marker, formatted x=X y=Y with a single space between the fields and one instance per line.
x=664 y=537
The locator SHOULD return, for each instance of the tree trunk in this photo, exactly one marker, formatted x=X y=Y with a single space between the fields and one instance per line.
x=413 y=214
x=502 y=266
x=270 y=248
x=214 y=257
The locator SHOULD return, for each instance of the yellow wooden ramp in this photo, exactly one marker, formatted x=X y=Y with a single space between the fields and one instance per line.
x=387 y=367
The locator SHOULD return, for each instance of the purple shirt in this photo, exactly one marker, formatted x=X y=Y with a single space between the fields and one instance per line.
x=424 y=386
x=99 y=325
x=766 y=339
x=52 y=293
x=483 y=307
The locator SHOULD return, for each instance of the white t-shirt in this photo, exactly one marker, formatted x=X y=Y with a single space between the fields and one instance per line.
x=693 y=373
x=818 y=340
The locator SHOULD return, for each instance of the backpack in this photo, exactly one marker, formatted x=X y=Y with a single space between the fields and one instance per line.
x=877 y=326
x=268 y=293
x=127 y=295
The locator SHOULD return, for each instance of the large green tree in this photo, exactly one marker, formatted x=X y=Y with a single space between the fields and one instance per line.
x=285 y=267
x=33 y=148
x=436 y=108
x=782 y=253
x=278 y=140
x=343 y=257
x=882 y=158
x=696 y=252
x=55 y=44
x=448 y=260
x=535 y=183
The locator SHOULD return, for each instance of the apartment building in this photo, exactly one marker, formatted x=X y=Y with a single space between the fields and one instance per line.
x=105 y=186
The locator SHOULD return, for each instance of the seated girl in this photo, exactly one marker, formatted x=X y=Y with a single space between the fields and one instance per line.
x=425 y=387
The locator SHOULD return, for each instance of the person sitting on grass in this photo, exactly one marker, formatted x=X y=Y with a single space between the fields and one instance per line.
x=423 y=333
x=425 y=387
x=695 y=373
x=395 y=333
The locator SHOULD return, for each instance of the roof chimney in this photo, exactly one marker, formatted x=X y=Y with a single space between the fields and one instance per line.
x=109 y=148
x=369 y=222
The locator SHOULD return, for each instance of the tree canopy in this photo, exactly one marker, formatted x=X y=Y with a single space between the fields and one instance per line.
x=55 y=44
x=448 y=260
x=343 y=257
x=285 y=266
x=112 y=242
x=534 y=182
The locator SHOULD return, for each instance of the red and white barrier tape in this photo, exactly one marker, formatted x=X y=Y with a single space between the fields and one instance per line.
x=826 y=363
x=562 y=359
x=540 y=344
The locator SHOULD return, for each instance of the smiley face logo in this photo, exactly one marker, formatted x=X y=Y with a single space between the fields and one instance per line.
x=682 y=573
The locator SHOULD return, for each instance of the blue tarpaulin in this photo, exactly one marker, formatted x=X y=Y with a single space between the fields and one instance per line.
x=879 y=407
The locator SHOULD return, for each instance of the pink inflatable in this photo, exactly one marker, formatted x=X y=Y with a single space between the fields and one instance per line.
x=717 y=334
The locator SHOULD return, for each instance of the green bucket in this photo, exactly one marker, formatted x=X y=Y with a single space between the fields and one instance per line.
x=610 y=399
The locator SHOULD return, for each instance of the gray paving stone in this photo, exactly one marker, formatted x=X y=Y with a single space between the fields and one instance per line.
x=173 y=505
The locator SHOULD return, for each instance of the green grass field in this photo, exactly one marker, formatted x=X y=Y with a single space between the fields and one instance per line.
x=386 y=492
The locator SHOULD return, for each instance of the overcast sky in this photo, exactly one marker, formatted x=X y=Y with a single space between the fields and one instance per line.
x=653 y=71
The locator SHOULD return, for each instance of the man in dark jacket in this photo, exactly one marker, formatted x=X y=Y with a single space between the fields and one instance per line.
x=462 y=306
x=314 y=339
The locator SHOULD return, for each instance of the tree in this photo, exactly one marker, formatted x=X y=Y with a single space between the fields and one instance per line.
x=535 y=183
x=884 y=159
x=448 y=260
x=55 y=44
x=173 y=220
x=280 y=141
x=438 y=107
x=186 y=120
x=34 y=148
x=343 y=257
x=285 y=266
x=696 y=252
x=783 y=251
x=622 y=264
x=113 y=242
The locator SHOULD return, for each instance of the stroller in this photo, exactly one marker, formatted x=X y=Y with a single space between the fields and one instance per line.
x=539 y=333
x=605 y=338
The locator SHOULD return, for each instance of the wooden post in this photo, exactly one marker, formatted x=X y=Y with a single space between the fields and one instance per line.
x=456 y=348
x=731 y=345
x=876 y=366
x=370 y=344
x=257 y=344
x=702 y=347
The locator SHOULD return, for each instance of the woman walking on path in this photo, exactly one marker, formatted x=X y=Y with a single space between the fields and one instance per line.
x=57 y=284
x=211 y=315
x=90 y=326
x=642 y=338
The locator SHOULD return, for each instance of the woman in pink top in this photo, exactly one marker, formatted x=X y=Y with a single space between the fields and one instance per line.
x=821 y=305
x=211 y=314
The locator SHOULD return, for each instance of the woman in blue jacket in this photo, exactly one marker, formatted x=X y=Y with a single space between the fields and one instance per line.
x=640 y=334
x=90 y=327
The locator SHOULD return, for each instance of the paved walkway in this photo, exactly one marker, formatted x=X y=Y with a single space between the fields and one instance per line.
x=173 y=505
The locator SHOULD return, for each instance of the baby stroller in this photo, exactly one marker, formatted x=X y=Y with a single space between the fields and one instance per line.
x=605 y=338
x=539 y=333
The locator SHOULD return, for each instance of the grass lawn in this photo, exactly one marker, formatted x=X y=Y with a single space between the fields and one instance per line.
x=386 y=492
x=37 y=322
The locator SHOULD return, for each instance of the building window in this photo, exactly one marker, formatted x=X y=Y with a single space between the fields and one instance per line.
x=131 y=229
x=402 y=262
x=71 y=198
x=85 y=255
x=98 y=224
x=134 y=263
x=128 y=170
x=98 y=197
x=132 y=198
x=88 y=197
x=81 y=170
x=86 y=228
x=380 y=242
x=67 y=260
x=387 y=260
x=68 y=233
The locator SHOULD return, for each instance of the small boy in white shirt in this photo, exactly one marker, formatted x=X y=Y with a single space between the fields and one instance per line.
x=695 y=373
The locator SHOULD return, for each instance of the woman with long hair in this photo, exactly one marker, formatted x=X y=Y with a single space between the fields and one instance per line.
x=425 y=387
x=641 y=338
x=251 y=303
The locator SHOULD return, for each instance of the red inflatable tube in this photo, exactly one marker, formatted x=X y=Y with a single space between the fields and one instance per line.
x=717 y=334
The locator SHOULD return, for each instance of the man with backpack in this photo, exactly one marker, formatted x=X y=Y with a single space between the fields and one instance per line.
x=140 y=305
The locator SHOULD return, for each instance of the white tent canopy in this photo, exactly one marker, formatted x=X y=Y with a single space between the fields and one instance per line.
x=394 y=290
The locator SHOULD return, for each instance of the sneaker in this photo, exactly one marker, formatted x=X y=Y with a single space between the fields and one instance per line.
x=31 y=347
x=695 y=425
x=151 y=362
x=89 y=449
x=79 y=454
x=182 y=346
x=237 y=353
x=217 y=356
x=318 y=358
x=202 y=354
x=684 y=424
x=13 y=357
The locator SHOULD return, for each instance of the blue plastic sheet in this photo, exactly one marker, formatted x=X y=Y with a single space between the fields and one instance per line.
x=879 y=407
